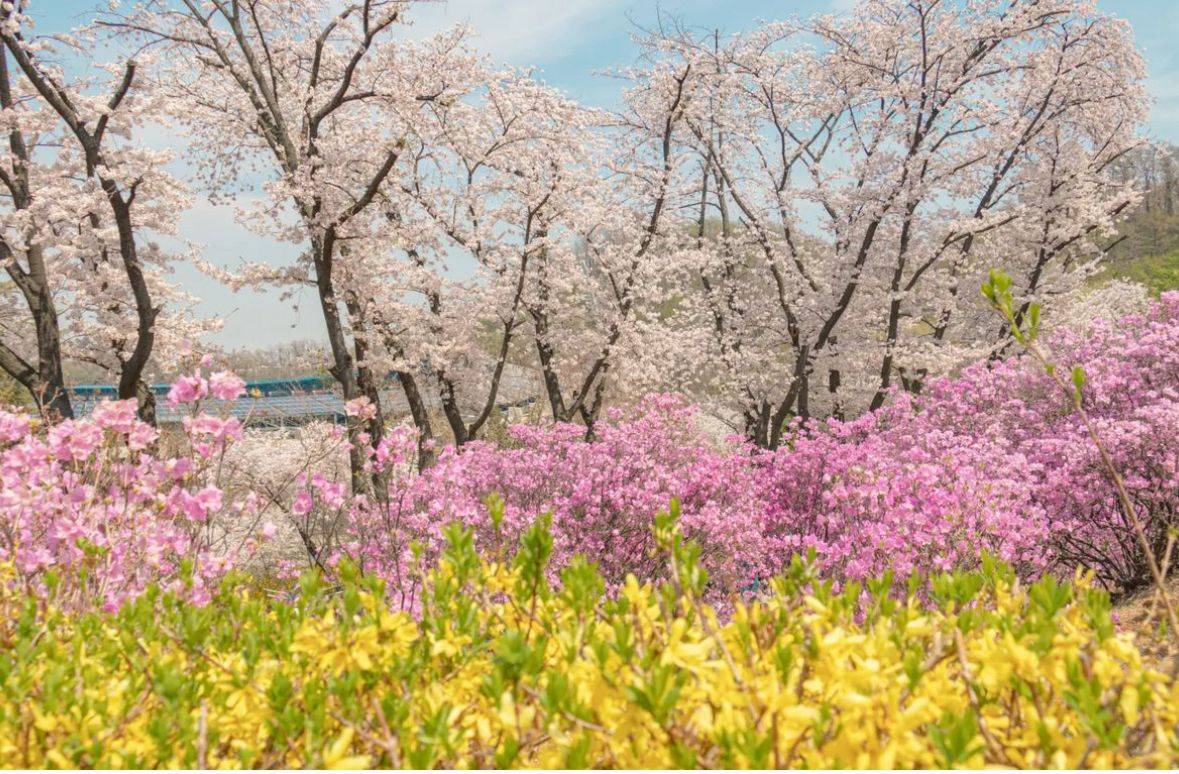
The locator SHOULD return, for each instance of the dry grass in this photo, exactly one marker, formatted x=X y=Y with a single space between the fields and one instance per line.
x=1142 y=615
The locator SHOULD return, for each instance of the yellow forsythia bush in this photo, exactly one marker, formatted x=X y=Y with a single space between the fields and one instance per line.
x=497 y=666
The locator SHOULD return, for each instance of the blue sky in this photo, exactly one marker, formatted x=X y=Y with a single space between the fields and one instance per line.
x=568 y=40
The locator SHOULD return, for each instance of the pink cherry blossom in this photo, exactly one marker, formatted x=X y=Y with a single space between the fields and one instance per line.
x=361 y=408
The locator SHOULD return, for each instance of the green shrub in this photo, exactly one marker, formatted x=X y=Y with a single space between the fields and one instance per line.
x=501 y=668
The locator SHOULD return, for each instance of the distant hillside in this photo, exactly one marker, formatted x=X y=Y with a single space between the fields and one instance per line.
x=1146 y=249
x=1157 y=272
x=1153 y=231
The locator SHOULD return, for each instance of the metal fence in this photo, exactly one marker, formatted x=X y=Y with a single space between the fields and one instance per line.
x=285 y=402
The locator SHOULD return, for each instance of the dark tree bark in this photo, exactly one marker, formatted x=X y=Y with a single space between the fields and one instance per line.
x=421 y=419
x=120 y=197
x=43 y=380
x=236 y=45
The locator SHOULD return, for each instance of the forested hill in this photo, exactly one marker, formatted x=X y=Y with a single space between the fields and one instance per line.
x=1147 y=246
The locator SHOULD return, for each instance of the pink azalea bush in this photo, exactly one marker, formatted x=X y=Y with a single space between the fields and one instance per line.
x=891 y=491
x=602 y=495
x=92 y=505
x=992 y=460
x=1131 y=391
x=995 y=459
x=883 y=492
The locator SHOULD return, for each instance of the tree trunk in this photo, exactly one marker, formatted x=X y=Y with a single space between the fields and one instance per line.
x=147 y=403
x=421 y=419
x=131 y=373
x=342 y=366
x=47 y=384
x=454 y=415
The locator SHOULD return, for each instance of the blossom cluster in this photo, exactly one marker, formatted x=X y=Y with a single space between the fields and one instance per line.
x=500 y=669
x=96 y=510
x=991 y=460
x=601 y=495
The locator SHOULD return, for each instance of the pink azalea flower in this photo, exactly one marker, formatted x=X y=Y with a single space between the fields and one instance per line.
x=117 y=415
x=188 y=389
x=226 y=385
x=361 y=408
x=302 y=504
x=13 y=426
x=200 y=505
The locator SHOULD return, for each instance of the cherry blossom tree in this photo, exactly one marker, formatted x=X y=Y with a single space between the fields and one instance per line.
x=43 y=379
x=865 y=168
x=491 y=181
x=83 y=197
x=315 y=102
x=520 y=236
x=598 y=287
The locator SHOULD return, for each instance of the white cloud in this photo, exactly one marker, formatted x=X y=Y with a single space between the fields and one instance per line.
x=515 y=31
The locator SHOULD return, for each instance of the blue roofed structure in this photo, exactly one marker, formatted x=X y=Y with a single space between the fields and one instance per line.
x=266 y=402
x=286 y=402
